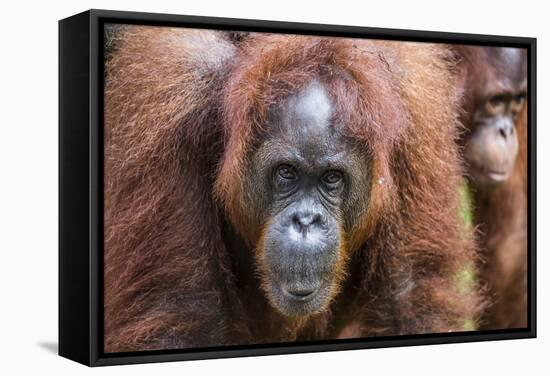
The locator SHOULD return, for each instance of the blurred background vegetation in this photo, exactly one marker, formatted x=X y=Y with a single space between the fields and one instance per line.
x=466 y=278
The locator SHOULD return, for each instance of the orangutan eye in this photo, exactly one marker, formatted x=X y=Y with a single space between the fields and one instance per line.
x=285 y=178
x=286 y=172
x=332 y=177
x=517 y=102
x=519 y=99
x=495 y=104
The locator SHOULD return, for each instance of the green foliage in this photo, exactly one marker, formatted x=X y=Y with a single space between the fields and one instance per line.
x=466 y=278
x=466 y=206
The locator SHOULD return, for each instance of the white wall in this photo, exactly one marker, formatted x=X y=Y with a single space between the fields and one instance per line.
x=28 y=185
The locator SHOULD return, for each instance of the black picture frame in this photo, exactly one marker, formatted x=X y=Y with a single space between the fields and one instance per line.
x=81 y=190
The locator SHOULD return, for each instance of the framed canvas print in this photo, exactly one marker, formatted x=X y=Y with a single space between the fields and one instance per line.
x=238 y=187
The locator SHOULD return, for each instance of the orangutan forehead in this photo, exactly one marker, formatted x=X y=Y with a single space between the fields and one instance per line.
x=303 y=127
x=512 y=56
x=306 y=113
x=311 y=106
x=510 y=65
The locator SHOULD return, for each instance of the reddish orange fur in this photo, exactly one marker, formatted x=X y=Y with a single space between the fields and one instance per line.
x=183 y=110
